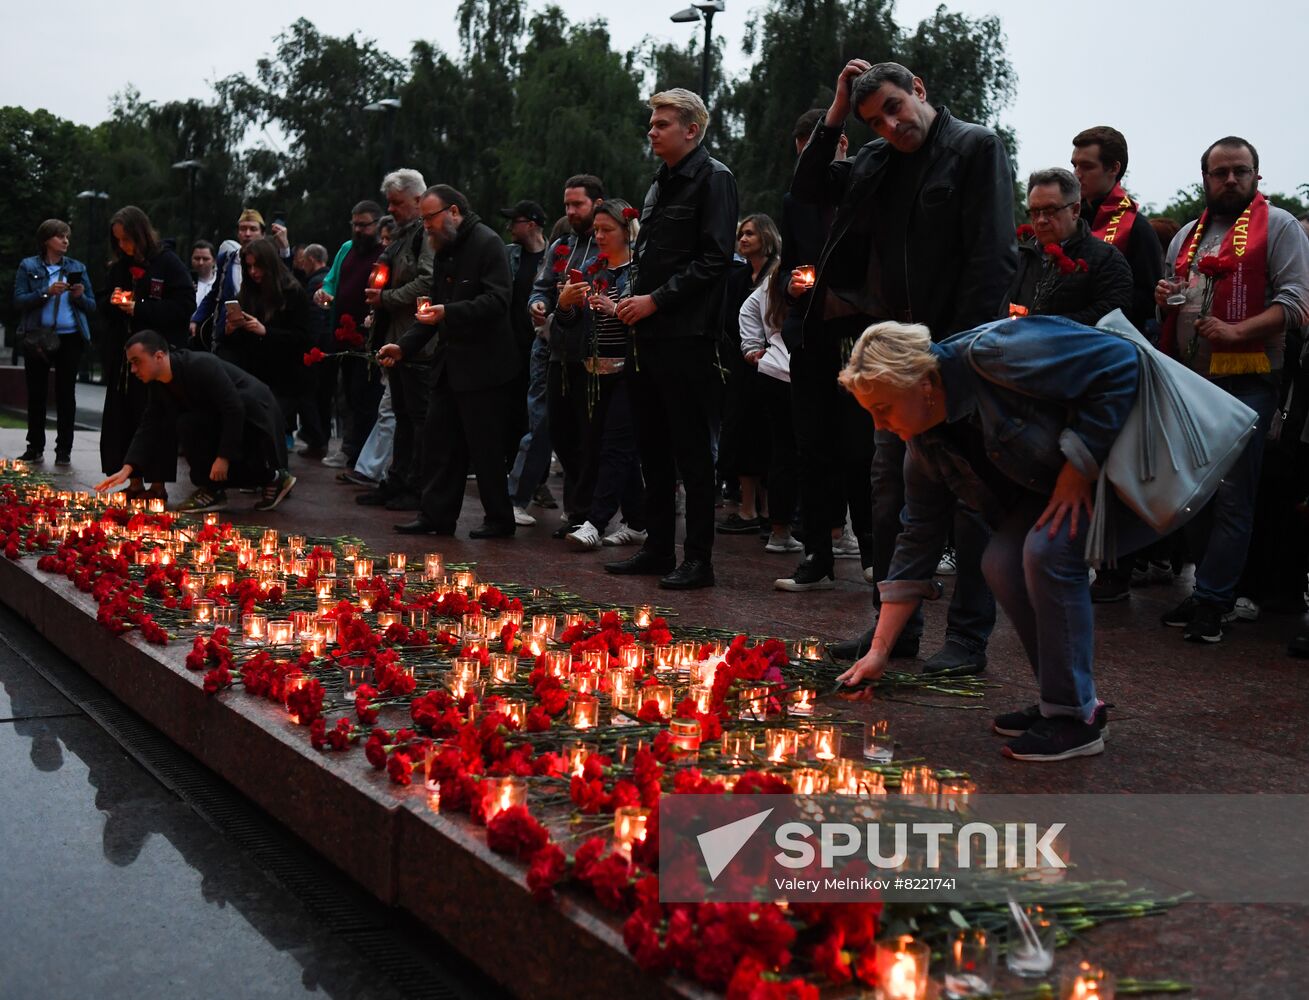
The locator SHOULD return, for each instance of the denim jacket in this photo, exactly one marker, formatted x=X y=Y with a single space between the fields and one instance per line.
x=30 y=283
x=1042 y=390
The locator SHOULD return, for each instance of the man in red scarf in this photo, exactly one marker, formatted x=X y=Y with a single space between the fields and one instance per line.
x=1100 y=160
x=1243 y=268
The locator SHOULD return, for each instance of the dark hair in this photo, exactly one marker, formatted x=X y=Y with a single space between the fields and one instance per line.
x=595 y=187
x=449 y=196
x=264 y=299
x=203 y=245
x=1164 y=230
x=137 y=228
x=385 y=222
x=562 y=227
x=367 y=207
x=806 y=123
x=1069 y=186
x=1228 y=140
x=1112 y=143
x=870 y=81
x=149 y=339
x=50 y=229
x=768 y=235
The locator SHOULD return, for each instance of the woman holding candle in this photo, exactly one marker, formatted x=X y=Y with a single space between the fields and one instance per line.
x=152 y=291
x=611 y=474
x=53 y=294
x=995 y=420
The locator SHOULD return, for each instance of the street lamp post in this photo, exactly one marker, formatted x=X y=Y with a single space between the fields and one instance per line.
x=388 y=106
x=91 y=197
x=190 y=166
x=702 y=10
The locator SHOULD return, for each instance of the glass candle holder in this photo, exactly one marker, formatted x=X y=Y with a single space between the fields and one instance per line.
x=268 y=541
x=619 y=679
x=280 y=632
x=433 y=567
x=1032 y=939
x=584 y=683
x=312 y=644
x=902 y=968
x=396 y=562
x=738 y=744
x=255 y=629
x=627 y=748
x=703 y=674
x=350 y=551
x=418 y=617
x=558 y=663
x=211 y=519
x=543 y=626
x=643 y=615
x=385 y=619
x=632 y=656
x=325 y=604
x=363 y=569
x=871 y=782
x=504 y=668
x=844 y=776
x=464 y=579
x=471 y=624
x=515 y=709
x=916 y=779
x=467 y=667
x=221 y=580
x=661 y=695
x=663 y=657
x=327 y=629
x=292 y=684
x=808 y=781
x=366 y=600
x=576 y=753
x=352 y=677
x=504 y=793
x=969 y=965
x=954 y=794
x=801 y=702
x=878 y=744
x=324 y=587
x=686 y=734
x=812 y=648
x=754 y=702
x=304 y=622
x=202 y=611
x=1088 y=982
x=629 y=828
x=595 y=659
x=781 y=745
x=687 y=653
x=702 y=696
x=573 y=618
x=583 y=711
x=627 y=706
x=225 y=615
x=325 y=563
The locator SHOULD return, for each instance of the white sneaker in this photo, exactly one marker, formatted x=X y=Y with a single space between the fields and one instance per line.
x=870 y=575
x=947 y=567
x=625 y=536
x=1246 y=610
x=336 y=460
x=522 y=518
x=585 y=537
x=847 y=546
x=783 y=543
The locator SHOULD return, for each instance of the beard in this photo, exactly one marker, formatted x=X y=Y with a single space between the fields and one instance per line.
x=365 y=241
x=1227 y=204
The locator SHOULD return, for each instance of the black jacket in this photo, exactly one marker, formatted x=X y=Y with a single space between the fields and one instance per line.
x=570 y=252
x=959 y=246
x=804 y=229
x=276 y=357
x=1083 y=296
x=203 y=383
x=164 y=295
x=688 y=228
x=1146 y=259
x=475 y=343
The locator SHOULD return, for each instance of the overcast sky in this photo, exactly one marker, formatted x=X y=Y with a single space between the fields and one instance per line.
x=1172 y=77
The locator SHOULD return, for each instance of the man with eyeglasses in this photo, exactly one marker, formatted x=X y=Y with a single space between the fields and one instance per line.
x=1100 y=160
x=1242 y=273
x=1062 y=269
x=922 y=233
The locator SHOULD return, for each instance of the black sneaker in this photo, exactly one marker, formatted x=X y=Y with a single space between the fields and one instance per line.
x=32 y=455
x=905 y=648
x=1110 y=587
x=1058 y=738
x=1206 y=624
x=1017 y=723
x=544 y=499
x=1181 y=615
x=276 y=491
x=807 y=576
x=735 y=524
x=955 y=660
x=63 y=458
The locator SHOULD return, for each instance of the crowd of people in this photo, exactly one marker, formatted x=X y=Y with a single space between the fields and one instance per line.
x=667 y=351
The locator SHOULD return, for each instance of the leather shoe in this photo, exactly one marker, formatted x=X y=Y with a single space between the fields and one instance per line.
x=419 y=526
x=691 y=575
x=404 y=501
x=955 y=660
x=644 y=563
x=905 y=648
x=487 y=529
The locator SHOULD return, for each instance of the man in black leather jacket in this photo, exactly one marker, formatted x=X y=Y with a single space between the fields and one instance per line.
x=688 y=228
x=923 y=233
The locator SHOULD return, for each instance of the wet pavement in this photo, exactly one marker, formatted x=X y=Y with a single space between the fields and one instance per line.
x=1228 y=717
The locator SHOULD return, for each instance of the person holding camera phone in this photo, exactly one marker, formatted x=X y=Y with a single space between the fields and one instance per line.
x=53 y=294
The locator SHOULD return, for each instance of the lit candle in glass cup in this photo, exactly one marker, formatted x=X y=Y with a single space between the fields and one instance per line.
x=515 y=709
x=812 y=649
x=661 y=695
x=472 y=625
x=574 y=618
x=626 y=705
x=781 y=745
x=325 y=604
x=225 y=614
x=211 y=519
x=663 y=657
x=738 y=744
x=255 y=629
x=324 y=587
x=754 y=702
x=632 y=656
x=202 y=611
x=395 y=563
x=293 y=683
x=349 y=551
x=312 y=644
x=296 y=543
x=801 y=702
x=808 y=781
x=304 y=622
x=844 y=774
x=280 y=632
x=584 y=683
x=687 y=653
x=558 y=663
x=953 y=794
x=464 y=579
x=879 y=746
x=1088 y=982
x=327 y=629
x=629 y=828
x=504 y=668
x=326 y=563
x=269 y=540
x=363 y=569
x=824 y=742
x=504 y=793
x=642 y=615
x=686 y=735
x=702 y=696
x=902 y=968
x=418 y=617
x=379 y=275
x=576 y=753
x=433 y=567
x=704 y=673
x=543 y=626
x=805 y=276
x=583 y=711
x=366 y=599
x=385 y=619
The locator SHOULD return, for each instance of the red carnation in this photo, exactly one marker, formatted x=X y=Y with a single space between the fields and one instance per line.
x=1213 y=266
x=516 y=832
x=549 y=865
x=313 y=357
x=630 y=213
x=137 y=272
x=400 y=767
x=561 y=250
x=1026 y=232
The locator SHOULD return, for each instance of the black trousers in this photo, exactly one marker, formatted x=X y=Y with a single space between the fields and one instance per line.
x=262 y=454
x=566 y=410
x=409 y=393
x=363 y=391
x=36 y=370
x=834 y=437
x=464 y=430
x=784 y=463
x=676 y=390
x=612 y=453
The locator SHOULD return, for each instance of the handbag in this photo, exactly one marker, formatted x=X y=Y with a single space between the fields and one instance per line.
x=41 y=341
x=1182 y=436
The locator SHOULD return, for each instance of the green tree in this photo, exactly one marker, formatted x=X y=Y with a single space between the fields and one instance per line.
x=1188 y=203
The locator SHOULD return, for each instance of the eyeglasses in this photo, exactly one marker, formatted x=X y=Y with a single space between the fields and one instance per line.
x=363 y=225
x=1041 y=213
x=432 y=215
x=1222 y=173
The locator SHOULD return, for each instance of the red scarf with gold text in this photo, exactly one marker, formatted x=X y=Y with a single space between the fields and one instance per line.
x=1114 y=218
x=1241 y=282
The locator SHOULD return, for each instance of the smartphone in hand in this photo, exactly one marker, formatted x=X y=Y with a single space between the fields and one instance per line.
x=233 y=308
x=575 y=276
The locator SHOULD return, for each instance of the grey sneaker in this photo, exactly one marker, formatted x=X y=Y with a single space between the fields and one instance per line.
x=203 y=500
x=276 y=491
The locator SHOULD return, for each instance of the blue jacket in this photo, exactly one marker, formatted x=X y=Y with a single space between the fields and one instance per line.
x=1041 y=390
x=223 y=290
x=30 y=283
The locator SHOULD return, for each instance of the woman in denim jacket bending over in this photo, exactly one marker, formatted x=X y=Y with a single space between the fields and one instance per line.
x=1012 y=419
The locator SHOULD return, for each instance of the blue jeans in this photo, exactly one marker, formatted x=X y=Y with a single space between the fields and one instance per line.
x=1042 y=584
x=972 y=608
x=533 y=460
x=1220 y=535
x=375 y=456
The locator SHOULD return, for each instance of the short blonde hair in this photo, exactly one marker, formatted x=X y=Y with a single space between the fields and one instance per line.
x=690 y=109
x=897 y=354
